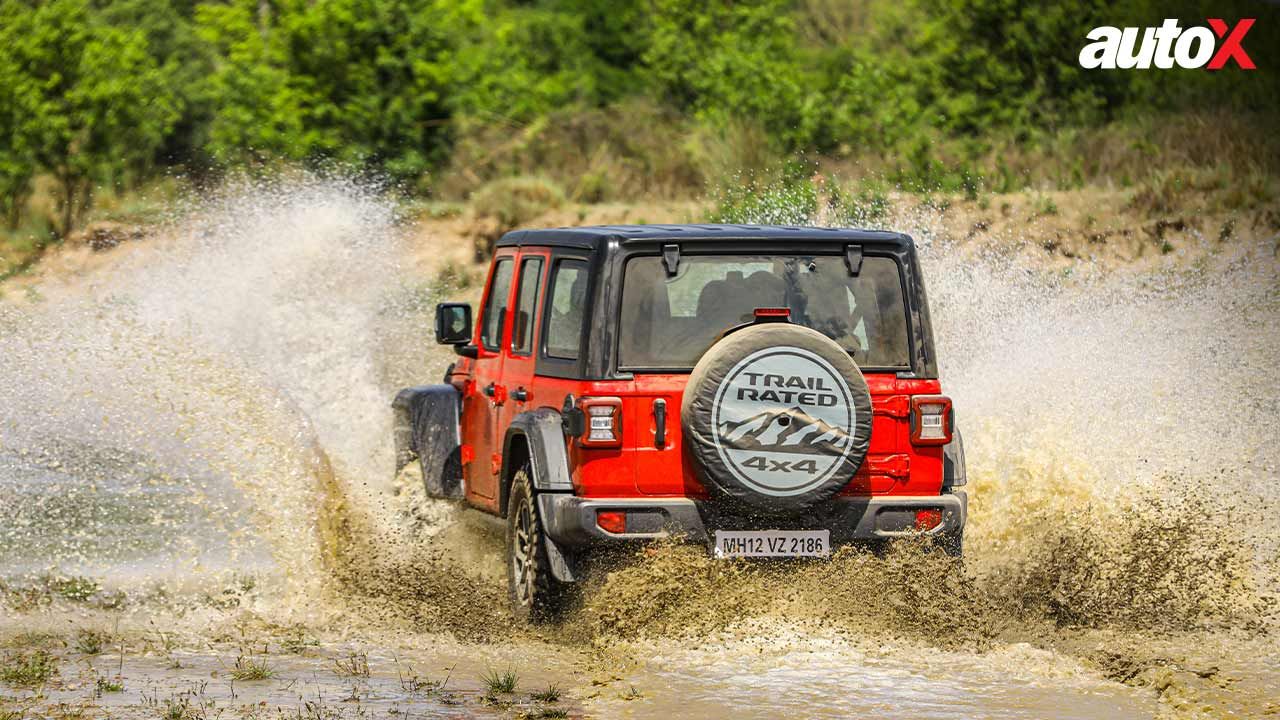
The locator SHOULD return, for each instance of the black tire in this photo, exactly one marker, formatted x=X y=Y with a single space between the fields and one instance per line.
x=777 y=417
x=534 y=594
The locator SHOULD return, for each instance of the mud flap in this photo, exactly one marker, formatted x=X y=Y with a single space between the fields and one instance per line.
x=563 y=566
x=426 y=429
x=953 y=468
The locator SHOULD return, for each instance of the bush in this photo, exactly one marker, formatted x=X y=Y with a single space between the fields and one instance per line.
x=510 y=203
x=632 y=149
x=515 y=201
x=31 y=669
x=813 y=200
x=790 y=203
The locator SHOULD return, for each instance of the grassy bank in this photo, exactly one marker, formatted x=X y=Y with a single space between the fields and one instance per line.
x=1124 y=190
x=635 y=151
x=115 y=216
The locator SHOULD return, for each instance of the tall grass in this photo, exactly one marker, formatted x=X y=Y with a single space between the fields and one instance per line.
x=635 y=151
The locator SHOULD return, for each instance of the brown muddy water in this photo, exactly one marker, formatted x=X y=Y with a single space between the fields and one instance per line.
x=197 y=518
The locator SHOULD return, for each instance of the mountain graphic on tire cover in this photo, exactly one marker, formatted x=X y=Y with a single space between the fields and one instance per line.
x=789 y=431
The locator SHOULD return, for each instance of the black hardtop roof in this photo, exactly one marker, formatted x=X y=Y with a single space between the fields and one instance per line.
x=593 y=237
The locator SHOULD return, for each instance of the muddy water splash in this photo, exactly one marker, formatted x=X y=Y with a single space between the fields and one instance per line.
x=214 y=403
x=1116 y=429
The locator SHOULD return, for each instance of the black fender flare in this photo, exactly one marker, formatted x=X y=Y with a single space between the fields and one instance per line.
x=542 y=431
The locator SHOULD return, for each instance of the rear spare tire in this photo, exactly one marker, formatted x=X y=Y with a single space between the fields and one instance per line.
x=777 y=417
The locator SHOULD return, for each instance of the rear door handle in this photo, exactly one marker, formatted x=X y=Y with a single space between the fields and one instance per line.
x=520 y=395
x=660 y=423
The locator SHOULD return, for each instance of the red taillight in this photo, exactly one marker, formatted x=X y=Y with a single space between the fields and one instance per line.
x=928 y=519
x=603 y=417
x=773 y=313
x=614 y=521
x=930 y=420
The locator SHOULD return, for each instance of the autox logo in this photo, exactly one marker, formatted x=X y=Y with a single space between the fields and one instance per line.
x=1168 y=45
x=783 y=420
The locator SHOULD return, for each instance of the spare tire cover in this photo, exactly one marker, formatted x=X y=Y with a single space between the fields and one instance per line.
x=777 y=417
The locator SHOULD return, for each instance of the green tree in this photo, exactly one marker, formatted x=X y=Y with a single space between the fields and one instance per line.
x=17 y=158
x=97 y=102
x=259 y=113
x=1230 y=90
x=728 y=60
x=523 y=63
x=185 y=62
x=985 y=64
x=362 y=82
x=614 y=34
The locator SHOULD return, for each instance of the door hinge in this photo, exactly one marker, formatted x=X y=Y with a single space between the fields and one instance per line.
x=671 y=259
x=898 y=466
x=898 y=406
x=853 y=259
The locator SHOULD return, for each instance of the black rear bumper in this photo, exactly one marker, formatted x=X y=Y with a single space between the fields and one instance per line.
x=570 y=520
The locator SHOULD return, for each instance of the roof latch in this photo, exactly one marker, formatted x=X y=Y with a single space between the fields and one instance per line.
x=671 y=258
x=853 y=258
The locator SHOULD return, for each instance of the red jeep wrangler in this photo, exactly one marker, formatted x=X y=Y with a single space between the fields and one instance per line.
x=766 y=391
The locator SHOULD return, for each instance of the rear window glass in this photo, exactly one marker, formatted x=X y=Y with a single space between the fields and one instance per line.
x=668 y=322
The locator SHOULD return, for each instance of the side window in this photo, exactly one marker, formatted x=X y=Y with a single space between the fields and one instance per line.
x=495 y=305
x=568 y=299
x=526 y=306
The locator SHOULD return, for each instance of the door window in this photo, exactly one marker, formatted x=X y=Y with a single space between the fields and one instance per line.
x=495 y=304
x=526 y=306
x=568 y=299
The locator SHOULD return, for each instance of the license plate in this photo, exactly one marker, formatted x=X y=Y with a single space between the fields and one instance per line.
x=772 y=543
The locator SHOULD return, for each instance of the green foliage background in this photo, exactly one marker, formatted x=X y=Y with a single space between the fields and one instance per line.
x=113 y=92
